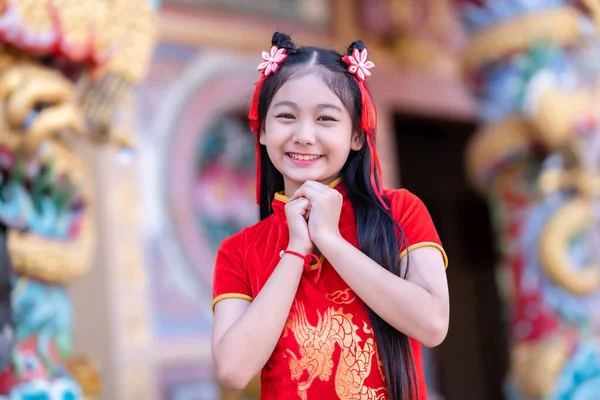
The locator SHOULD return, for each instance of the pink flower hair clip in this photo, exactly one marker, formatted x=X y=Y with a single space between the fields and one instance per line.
x=272 y=61
x=358 y=64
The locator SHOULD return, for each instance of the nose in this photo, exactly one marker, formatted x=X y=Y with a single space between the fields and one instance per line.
x=305 y=134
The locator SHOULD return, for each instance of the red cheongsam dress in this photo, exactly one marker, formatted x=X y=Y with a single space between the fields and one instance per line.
x=327 y=349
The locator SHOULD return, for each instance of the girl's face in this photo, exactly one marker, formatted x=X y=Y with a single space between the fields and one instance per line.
x=308 y=132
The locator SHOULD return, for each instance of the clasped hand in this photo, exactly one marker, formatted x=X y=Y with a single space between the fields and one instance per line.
x=313 y=214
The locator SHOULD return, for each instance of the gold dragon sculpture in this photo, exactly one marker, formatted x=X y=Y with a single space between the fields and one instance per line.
x=66 y=66
x=536 y=159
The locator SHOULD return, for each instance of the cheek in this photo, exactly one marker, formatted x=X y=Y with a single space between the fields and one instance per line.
x=339 y=140
x=272 y=134
x=267 y=126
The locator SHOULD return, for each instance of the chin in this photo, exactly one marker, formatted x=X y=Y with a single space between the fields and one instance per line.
x=304 y=178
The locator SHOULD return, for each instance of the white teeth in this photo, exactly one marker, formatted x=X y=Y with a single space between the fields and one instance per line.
x=303 y=157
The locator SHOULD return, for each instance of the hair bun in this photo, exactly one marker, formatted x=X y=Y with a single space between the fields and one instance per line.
x=283 y=41
x=358 y=45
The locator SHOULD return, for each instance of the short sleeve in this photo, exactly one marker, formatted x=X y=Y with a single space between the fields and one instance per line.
x=416 y=223
x=230 y=276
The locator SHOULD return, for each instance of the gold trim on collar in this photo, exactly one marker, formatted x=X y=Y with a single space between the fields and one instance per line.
x=284 y=199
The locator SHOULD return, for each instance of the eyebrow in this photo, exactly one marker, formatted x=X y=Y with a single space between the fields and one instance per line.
x=285 y=103
x=294 y=105
x=329 y=105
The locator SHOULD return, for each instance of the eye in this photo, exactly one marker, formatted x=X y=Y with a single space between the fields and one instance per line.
x=325 y=118
x=285 y=116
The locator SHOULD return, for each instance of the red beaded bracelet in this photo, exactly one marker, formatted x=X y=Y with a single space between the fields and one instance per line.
x=307 y=259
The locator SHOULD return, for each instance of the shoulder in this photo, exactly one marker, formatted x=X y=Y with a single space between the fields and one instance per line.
x=403 y=201
x=231 y=260
x=415 y=221
x=246 y=236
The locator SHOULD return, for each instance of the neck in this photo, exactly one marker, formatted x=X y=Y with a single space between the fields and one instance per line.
x=291 y=187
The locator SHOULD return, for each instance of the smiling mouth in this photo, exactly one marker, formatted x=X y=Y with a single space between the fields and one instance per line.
x=303 y=157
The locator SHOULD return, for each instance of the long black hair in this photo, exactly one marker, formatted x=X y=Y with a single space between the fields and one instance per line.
x=378 y=232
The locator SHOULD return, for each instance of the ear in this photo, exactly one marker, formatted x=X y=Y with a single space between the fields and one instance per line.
x=261 y=137
x=358 y=141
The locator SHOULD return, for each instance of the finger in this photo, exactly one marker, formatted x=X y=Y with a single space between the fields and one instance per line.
x=300 y=200
x=308 y=192
x=308 y=208
x=306 y=185
x=300 y=203
x=295 y=197
x=323 y=190
x=318 y=186
x=297 y=194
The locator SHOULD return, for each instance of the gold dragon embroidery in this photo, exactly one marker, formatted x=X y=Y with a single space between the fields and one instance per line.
x=341 y=296
x=316 y=354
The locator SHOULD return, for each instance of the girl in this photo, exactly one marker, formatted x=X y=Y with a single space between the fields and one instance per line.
x=321 y=293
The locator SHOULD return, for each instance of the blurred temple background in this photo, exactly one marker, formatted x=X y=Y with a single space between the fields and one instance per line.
x=126 y=158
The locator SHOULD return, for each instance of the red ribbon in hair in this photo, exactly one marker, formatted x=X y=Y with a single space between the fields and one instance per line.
x=359 y=67
x=255 y=127
x=270 y=65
